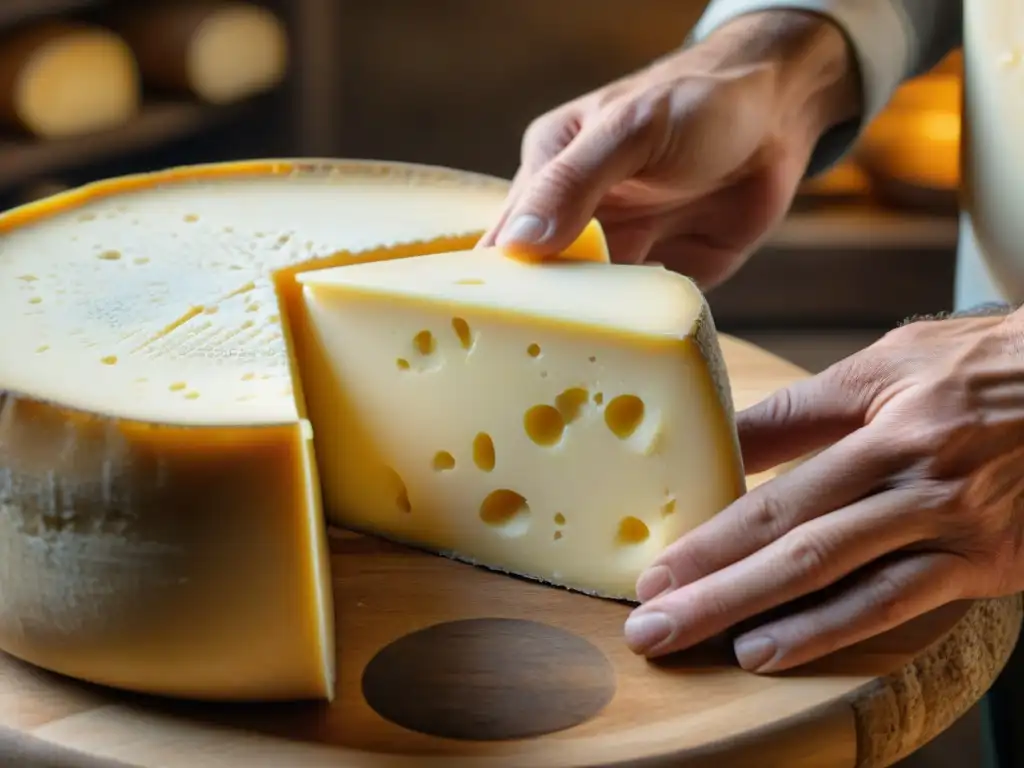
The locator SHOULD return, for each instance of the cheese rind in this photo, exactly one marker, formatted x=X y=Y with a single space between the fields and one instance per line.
x=152 y=557
x=562 y=421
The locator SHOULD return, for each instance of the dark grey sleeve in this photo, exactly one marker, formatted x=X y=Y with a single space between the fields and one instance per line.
x=892 y=40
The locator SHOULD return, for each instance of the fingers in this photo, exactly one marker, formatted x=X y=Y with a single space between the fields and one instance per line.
x=543 y=140
x=834 y=478
x=557 y=201
x=803 y=417
x=805 y=560
x=884 y=597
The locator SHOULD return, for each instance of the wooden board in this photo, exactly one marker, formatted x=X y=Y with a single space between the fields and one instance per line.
x=442 y=664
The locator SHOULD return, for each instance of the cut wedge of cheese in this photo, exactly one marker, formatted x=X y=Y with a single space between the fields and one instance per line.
x=63 y=79
x=161 y=526
x=563 y=421
x=220 y=50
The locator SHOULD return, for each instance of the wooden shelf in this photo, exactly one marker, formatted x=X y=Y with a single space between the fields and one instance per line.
x=23 y=161
x=868 y=227
x=14 y=12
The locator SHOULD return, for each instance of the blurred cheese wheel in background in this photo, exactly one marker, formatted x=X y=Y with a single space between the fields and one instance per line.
x=221 y=52
x=64 y=79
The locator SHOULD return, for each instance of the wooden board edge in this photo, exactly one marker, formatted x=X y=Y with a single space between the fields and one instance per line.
x=820 y=737
x=897 y=714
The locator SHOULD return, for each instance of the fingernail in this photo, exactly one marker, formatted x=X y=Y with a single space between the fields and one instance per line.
x=646 y=630
x=525 y=229
x=754 y=653
x=653 y=582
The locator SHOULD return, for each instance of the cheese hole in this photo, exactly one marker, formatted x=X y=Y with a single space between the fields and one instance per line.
x=592 y=359
x=669 y=506
x=598 y=398
x=483 y=452
x=559 y=519
x=443 y=461
x=177 y=386
x=191 y=218
x=570 y=402
x=424 y=343
x=506 y=511
x=533 y=350
x=42 y=348
x=398 y=490
x=402 y=363
x=191 y=395
x=461 y=328
x=623 y=415
x=109 y=360
x=632 y=531
x=470 y=281
x=544 y=424
x=110 y=255
x=558 y=535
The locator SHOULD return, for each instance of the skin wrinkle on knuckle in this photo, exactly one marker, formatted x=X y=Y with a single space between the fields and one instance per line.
x=687 y=561
x=761 y=520
x=886 y=597
x=808 y=555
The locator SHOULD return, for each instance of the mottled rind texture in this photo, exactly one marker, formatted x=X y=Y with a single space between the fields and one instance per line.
x=899 y=713
x=705 y=336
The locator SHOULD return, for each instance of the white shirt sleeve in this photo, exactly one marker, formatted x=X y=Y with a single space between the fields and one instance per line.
x=891 y=41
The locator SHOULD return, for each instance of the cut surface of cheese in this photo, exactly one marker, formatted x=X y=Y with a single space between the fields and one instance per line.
x=161 y=527
x=61 y=79
x=561 y=420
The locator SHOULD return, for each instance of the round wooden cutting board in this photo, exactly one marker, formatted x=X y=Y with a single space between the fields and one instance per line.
x=442 y=664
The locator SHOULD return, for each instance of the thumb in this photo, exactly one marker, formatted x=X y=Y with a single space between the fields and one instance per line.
x=806 y=416
x=557 y=202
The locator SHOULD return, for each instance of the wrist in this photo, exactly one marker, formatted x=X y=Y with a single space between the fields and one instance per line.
x=814 y=74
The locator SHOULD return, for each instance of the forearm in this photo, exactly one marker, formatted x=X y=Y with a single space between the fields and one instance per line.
x=886 y=41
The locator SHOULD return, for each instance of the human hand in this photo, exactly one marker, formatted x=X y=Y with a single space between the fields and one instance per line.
x=691 y=161
x=916 y=500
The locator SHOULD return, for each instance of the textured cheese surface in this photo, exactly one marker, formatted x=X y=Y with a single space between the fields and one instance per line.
x=563 y=421
x=163 y=300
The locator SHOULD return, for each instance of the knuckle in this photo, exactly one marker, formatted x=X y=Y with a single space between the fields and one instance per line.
x=885 y=597
x=762 y=520
x=780 y=407
x=808 y=555
x=558 y=181
x=546 y=136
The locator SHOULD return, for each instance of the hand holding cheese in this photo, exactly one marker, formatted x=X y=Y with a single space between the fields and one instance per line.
x=691 y=161
x=202 y=354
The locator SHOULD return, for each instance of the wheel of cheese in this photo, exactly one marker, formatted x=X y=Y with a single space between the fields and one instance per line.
x=206 y=364
x=60 y=79
x=219 y=51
